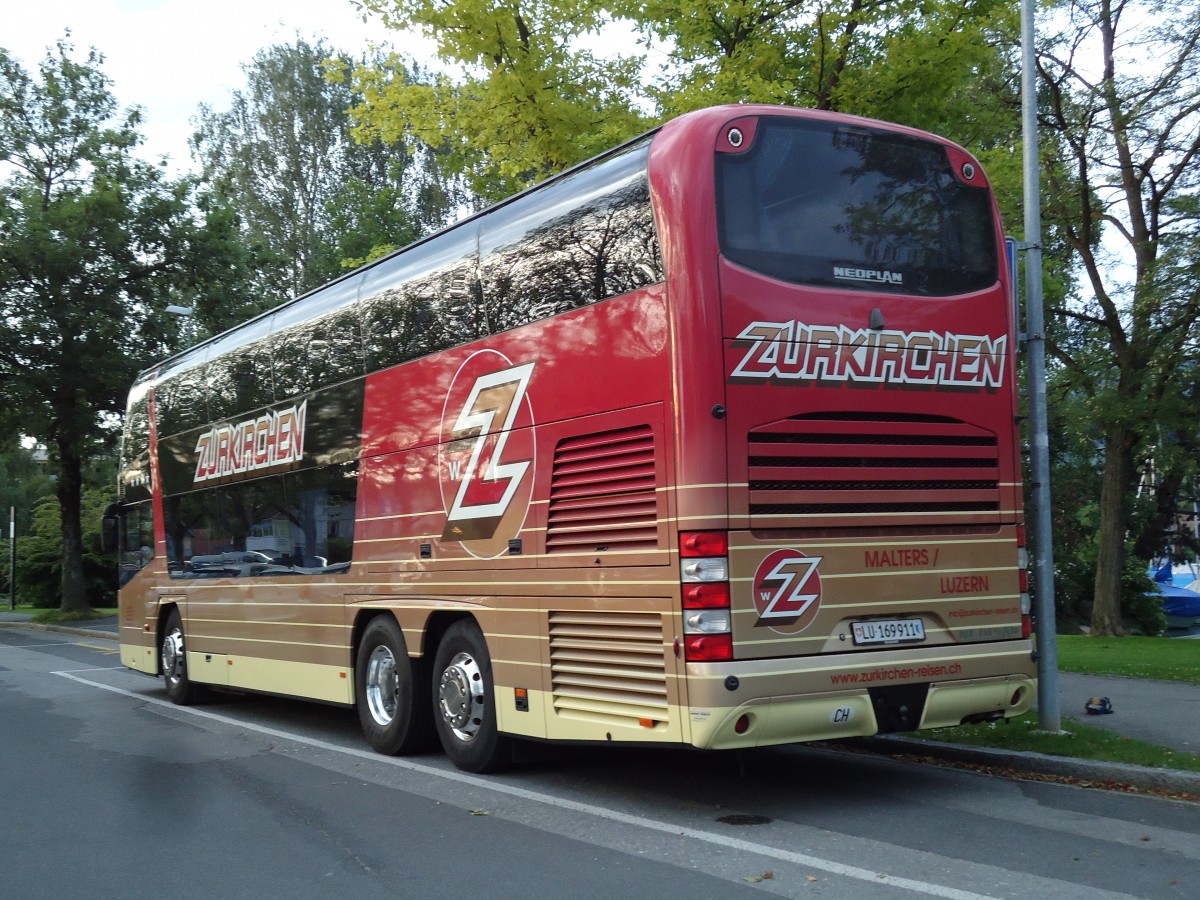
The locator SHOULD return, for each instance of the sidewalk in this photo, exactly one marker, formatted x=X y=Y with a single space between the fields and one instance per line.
x=1166 y=713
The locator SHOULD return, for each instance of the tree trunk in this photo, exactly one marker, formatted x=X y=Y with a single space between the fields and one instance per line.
x=70 y=501
x=1114 y=519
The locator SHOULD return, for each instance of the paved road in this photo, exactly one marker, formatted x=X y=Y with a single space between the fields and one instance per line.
x=260 y=797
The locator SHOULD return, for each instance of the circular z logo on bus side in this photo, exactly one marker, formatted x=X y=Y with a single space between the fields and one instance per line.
x=787 y=591
x=486 y=453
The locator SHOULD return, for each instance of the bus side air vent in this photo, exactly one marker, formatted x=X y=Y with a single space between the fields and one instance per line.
x=602 y=493
x=608 y=667
x=870 y=469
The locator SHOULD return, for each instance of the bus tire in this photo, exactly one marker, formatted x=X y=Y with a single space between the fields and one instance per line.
x=172 y=658
x=389 y=689
x=464 y=701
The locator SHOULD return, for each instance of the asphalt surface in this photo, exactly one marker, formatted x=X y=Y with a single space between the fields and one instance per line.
x=1164 y=713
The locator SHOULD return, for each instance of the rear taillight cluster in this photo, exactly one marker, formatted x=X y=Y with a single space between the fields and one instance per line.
x=704 y=577
x=1023 y=572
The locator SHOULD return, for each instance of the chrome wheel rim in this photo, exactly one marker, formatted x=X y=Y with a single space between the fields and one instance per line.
x=460 y=696
x=382 y=686
x=173 y=656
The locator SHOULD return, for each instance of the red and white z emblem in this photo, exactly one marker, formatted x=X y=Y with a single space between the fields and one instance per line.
x=787 y=590
x=488 y=455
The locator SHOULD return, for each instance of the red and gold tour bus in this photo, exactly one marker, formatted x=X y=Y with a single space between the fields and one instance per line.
x=708 y=441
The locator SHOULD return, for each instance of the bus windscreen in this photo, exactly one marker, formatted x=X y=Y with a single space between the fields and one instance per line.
x=835 y=205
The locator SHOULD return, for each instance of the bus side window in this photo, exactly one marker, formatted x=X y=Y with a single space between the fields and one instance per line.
x=136 y=525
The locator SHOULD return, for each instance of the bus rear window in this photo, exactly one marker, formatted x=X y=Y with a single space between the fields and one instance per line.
x=833 y=205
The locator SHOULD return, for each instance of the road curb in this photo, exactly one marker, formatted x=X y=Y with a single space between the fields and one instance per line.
x=1100 y=774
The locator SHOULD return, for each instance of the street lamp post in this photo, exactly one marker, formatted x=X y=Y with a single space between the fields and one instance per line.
x=1049 y=718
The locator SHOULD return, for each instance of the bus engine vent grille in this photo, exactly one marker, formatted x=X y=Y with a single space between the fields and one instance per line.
x=609 y=668
x=821 y=468
x=602 y=493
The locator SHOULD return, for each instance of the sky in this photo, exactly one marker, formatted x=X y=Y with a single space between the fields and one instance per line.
x=169 y=56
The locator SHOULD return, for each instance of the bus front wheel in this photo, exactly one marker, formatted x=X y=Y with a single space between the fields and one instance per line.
x=389 y=691
x=172 y=659
x=464 y=701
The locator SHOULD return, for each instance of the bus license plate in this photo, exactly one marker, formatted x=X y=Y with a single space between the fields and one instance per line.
x=888 y=631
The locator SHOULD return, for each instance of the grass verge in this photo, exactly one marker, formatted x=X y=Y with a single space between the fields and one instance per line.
x=1076 y=740
x=1163 y=659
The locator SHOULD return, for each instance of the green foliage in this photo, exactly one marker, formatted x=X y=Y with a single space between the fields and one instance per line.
x=22 y=481
x=1126 y=343
x=1077 y=550
x=93 y=245
x=532 y=99
x=310 y=198
x=933 y=64
x=40 y=555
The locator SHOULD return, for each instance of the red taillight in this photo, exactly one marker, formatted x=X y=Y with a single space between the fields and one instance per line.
x=704 y=543
x=708 y=647
x=1026 y=625
x=706 y=596
x=704 y=588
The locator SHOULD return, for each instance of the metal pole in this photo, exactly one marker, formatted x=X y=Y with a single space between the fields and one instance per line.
x=12 y=558
x=1049 y=717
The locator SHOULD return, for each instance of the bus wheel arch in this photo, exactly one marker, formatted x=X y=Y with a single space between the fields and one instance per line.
x=390 y=689
x=464 y=704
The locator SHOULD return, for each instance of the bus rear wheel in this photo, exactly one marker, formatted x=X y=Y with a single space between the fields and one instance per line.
x=464 y=701
x=389 y=691
x=172 y=659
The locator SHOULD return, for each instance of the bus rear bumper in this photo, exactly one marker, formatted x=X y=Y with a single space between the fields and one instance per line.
x=843 y=714
x=861 y=711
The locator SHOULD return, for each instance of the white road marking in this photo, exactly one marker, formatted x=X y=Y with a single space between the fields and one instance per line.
x=802 y=859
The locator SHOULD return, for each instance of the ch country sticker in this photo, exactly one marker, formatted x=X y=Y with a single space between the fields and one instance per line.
x=787 y=591
x=793 y=352
x=487 y=452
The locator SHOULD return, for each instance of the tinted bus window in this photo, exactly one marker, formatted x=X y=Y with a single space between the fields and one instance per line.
x=238 y=376
x=300 y=523
x=181 y=398
x=317 y=341
x=133 y=482
x=846 y=206
x=581 y=239
x=422 y=300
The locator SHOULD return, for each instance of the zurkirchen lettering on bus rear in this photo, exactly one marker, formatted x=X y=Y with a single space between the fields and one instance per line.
x=794 y=351
x=268 y=441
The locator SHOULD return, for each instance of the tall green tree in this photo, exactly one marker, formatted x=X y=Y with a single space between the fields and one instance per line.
x=534 y=96
x=23 y=481
x=310 y=198
x=913 y=61
x=1121 y=88
x=94 y=243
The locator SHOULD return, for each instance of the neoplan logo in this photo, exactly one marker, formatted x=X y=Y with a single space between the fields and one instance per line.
x=486 y=461
x=787 y=591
